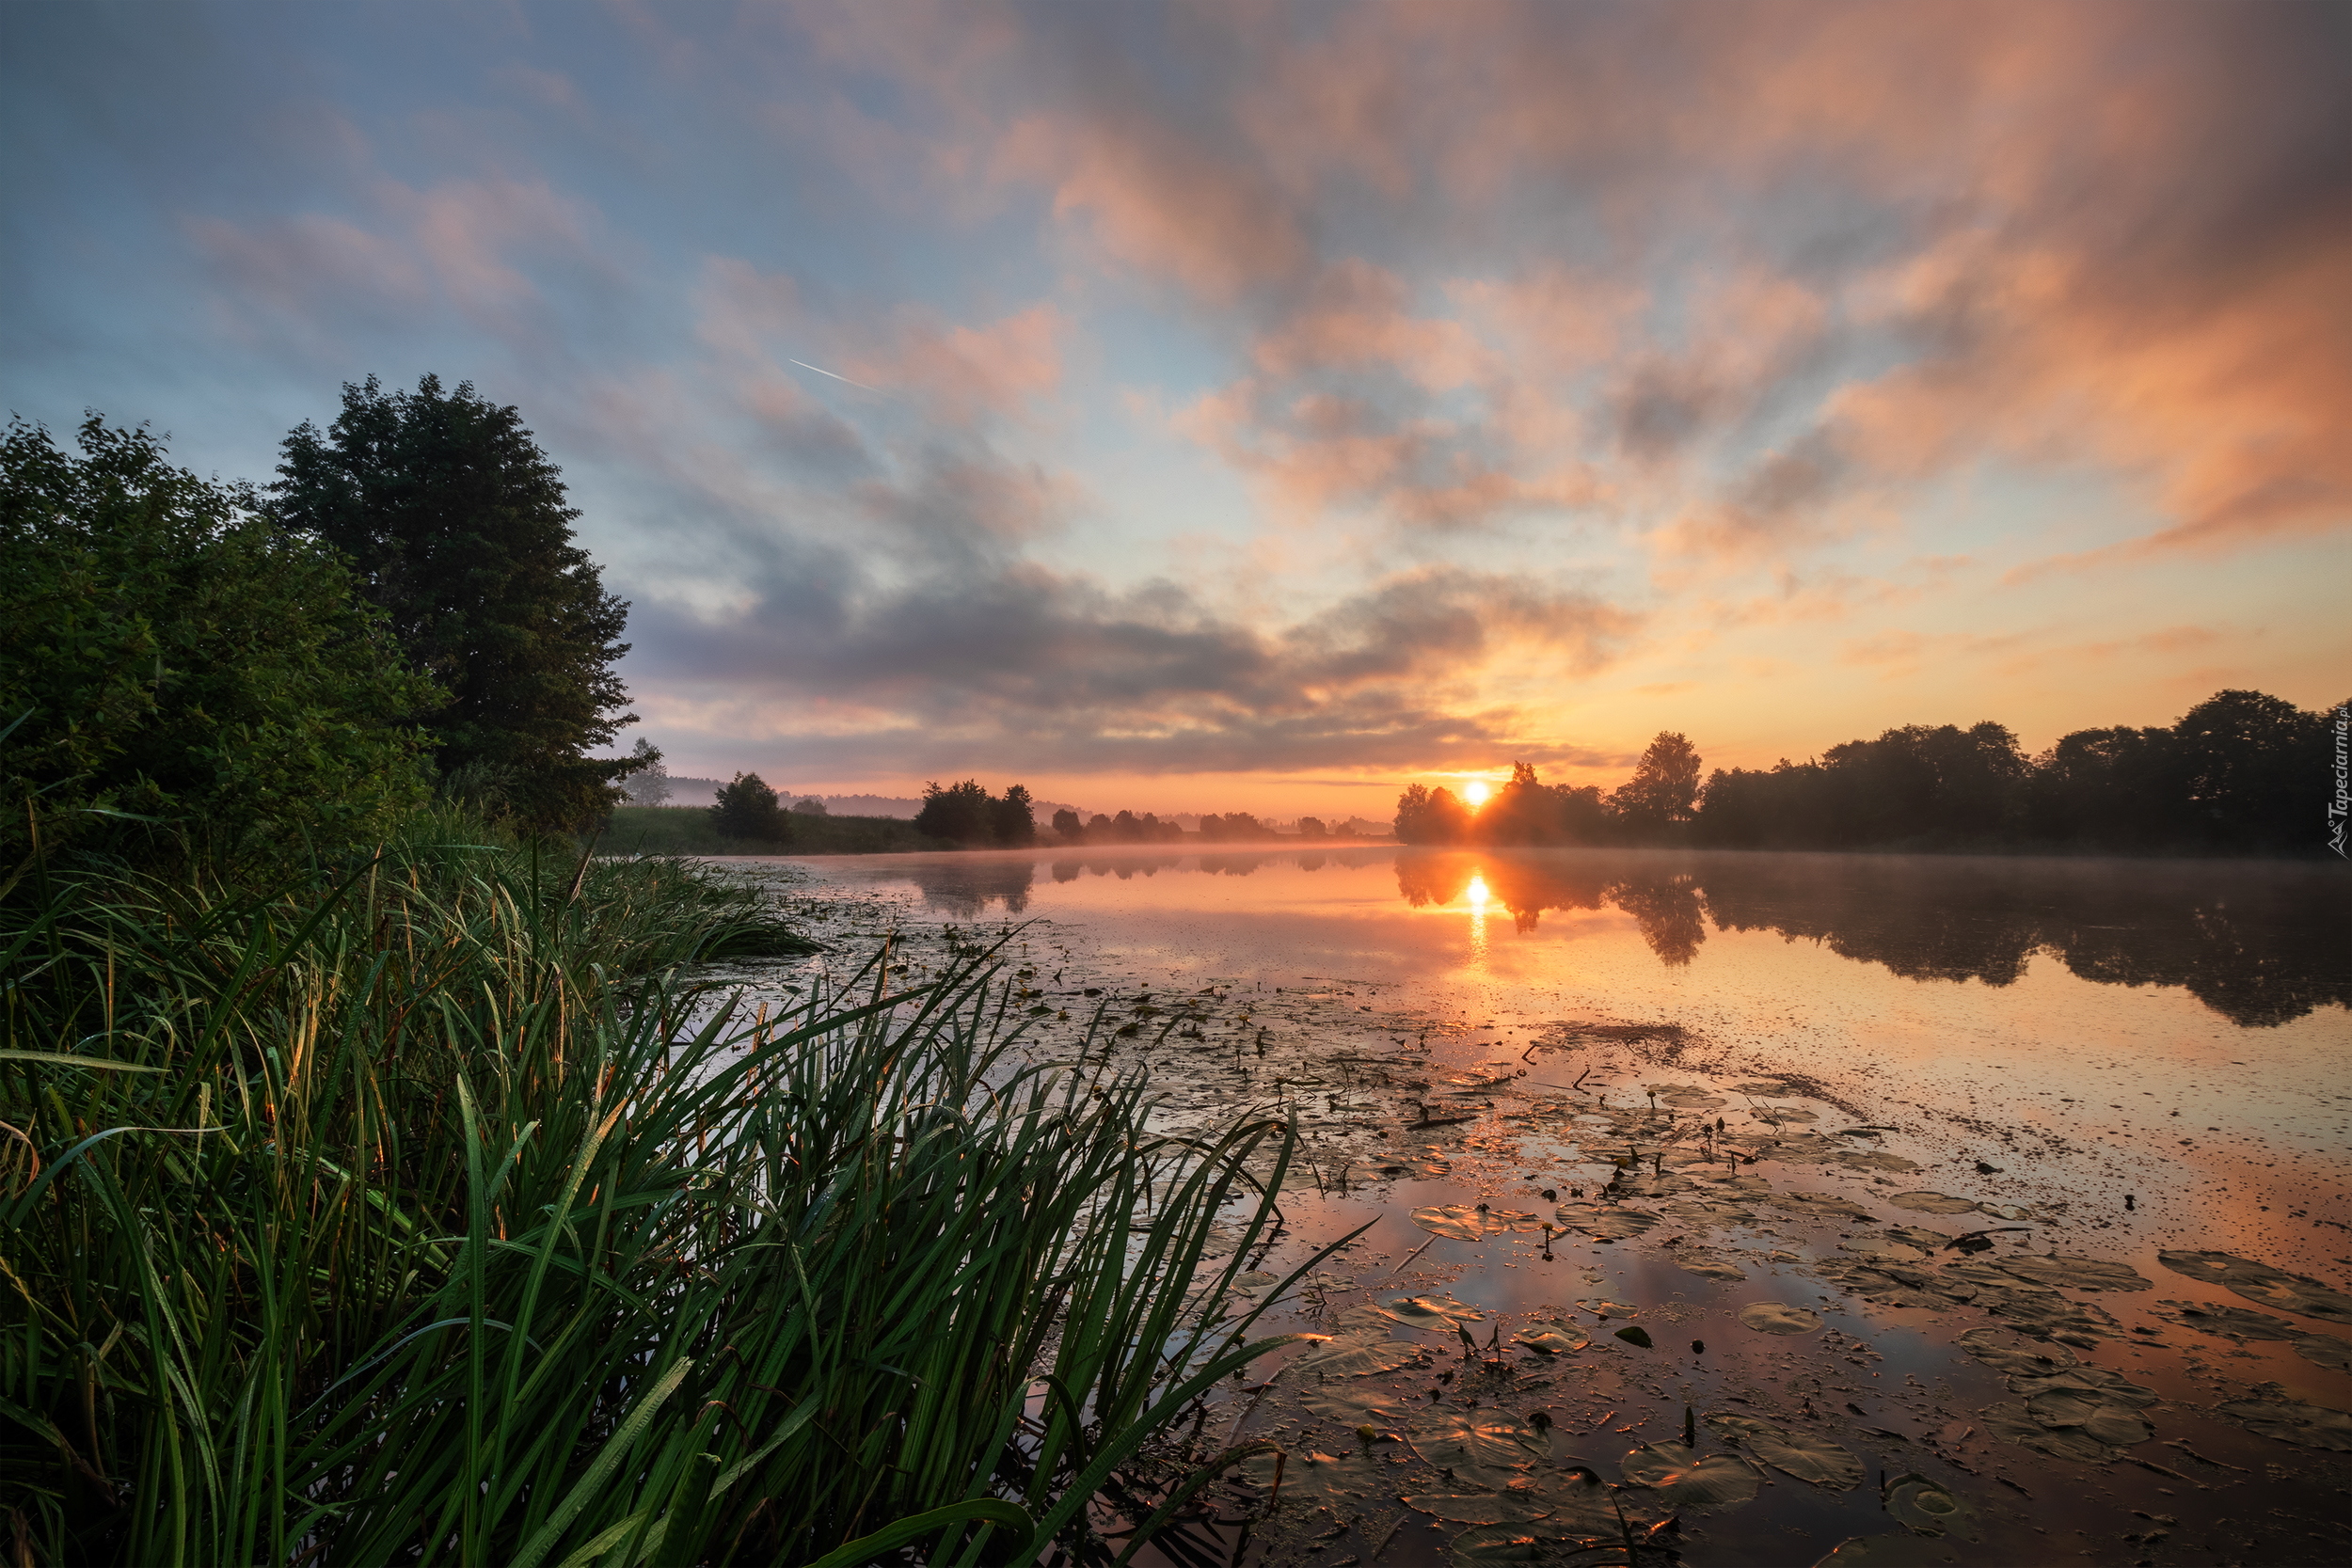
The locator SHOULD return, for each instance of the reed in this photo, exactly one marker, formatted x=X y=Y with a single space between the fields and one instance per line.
x=433 y=1211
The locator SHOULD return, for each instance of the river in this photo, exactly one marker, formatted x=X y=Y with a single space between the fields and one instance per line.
x=1763 y=1100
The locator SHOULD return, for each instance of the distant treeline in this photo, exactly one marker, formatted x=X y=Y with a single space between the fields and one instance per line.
x=968 y=814
x=1239 y=827
x=2241 y=772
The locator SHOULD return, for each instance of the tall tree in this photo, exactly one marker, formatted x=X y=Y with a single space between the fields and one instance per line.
x=458 y=527
x=1664 y=792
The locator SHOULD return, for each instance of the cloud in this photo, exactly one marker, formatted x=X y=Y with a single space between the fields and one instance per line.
x=1936 y=235
x=467 y=245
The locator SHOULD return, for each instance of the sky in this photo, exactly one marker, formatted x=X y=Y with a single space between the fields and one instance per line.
x=1262 y=406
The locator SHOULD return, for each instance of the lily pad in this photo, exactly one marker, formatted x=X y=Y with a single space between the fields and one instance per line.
x=1601 y=1308
x=1634 y=1334
x=2013 y=1422
x=1550 y=1341
x=2098 y=1383
x=1798 y=1453
x=2322 y=1350
x=1315 y=1478
x=2309 y=1426
x=1476 y=1508
x=1685 y=1482
x=1605 y=1222
x=2272 y=1287
x=1433 y=1313
x=2047 y=1315
x=1487 y=1447
x=1461 y=1221
x=1775 y=1317
x=1824 y=1204
x=2109 y=1423
x=2236 y=1323
x=1358 y=1354
x=2070 y=1272
x=2000 y=1350
x=1924 y=1507
x=1254 y=1281
x=1356 y=1405
x=1582 y=1504
x=1709 y=1265
x=1499 y=1543
x=1934 y=1203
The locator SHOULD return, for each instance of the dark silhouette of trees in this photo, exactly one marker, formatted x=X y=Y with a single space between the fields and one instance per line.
x=1068 y=828
x=1526 y=811
x=1663 y=795
x=459 y=530
x=1425 y=815
x=2241 y=772
x=747 y=810
x=968 y=814
x=1012 y=818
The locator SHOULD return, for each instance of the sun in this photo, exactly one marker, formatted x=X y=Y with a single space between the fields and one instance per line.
x=1476 y=793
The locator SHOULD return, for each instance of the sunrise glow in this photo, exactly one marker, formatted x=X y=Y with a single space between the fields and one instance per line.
x=1475 y=792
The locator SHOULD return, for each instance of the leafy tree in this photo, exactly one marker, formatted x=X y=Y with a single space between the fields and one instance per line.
x=1311 y=827
x=1014 y=818
x=2246 y=772
x=1425 y=815
x=747 y=810
x=1663 y=795
x=960 y=812
x=649 y=780
x=458 y=527
x=171 y=663
x=1527 y=811
x=812 y=806
x=1068 y=828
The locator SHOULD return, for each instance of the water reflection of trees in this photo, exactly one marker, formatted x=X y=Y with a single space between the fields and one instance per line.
x=965 y=886
x=2259 y=944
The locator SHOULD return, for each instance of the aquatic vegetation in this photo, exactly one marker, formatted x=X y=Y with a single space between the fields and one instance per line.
x=2272 y=1287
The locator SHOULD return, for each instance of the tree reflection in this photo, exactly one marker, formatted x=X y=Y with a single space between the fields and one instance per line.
x=2260 y=945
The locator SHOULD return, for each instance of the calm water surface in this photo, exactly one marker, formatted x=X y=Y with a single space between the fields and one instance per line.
x=2150 y=1055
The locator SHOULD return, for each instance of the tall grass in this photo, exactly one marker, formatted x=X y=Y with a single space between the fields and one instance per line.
x=432 y=1212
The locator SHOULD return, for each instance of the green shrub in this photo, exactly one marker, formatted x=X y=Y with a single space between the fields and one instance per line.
x=173 y=670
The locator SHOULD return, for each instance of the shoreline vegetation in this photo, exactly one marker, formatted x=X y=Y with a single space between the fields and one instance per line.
x=389 y=1176
x=434 y=1204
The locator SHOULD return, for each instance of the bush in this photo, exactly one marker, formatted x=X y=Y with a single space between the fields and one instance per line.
x=173 y=668
x=747 y=810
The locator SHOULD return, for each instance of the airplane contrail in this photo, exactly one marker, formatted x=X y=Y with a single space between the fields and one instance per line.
x=822 y=371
